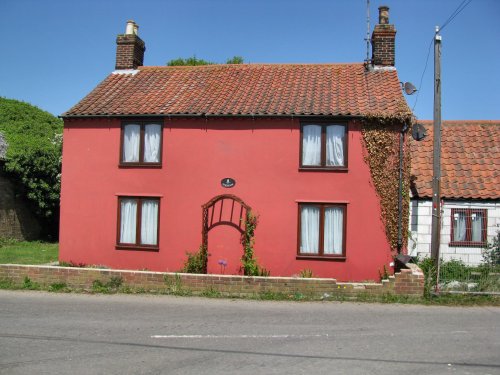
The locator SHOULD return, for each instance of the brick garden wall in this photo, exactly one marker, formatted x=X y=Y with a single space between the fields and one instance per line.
x=16 y=220
x=409 y=282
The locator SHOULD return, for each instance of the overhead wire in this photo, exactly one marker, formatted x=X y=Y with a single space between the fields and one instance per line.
x=457 y=11
x=422 y=76
x=452 y=16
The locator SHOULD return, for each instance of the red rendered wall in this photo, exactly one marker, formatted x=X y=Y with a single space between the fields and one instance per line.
x=261 y=155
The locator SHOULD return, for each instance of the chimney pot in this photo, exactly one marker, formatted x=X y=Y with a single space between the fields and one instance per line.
x=383 y=15
x=129 y=30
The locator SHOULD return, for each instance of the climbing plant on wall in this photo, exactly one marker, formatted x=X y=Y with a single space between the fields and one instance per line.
x=381 y=152
x=250 y=266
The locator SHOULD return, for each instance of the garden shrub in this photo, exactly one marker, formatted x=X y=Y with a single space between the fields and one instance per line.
x=33 y=158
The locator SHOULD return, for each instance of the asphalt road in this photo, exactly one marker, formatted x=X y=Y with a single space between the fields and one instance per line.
x=43 y=333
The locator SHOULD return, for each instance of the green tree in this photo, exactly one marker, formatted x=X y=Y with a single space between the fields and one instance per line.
x=33 y=159
x=190 y=61
x=194 y=61
x=235 y=60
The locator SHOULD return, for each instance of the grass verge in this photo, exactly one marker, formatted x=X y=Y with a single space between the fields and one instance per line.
x=116 y=285
x=27 y=252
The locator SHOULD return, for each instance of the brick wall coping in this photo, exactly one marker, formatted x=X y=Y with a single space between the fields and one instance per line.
x=408 y=282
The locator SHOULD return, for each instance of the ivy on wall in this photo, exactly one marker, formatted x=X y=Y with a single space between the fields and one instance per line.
x=381 y=152
x=250 y=266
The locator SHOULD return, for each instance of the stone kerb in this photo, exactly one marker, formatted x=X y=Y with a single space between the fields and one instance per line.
x=407 y=282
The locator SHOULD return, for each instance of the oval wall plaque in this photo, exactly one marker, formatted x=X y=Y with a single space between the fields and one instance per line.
x=228 y=182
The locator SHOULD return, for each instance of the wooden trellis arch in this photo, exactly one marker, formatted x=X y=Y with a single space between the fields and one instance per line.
x=226 y=209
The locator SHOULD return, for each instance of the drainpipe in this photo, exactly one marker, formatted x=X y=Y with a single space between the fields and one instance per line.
x=400 y=190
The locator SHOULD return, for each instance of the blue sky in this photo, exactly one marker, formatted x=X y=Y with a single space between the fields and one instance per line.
x=54 y=52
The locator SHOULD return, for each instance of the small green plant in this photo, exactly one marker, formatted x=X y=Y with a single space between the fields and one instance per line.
x=31 y=285
x=454 y=270
x=430 y=274
x=306 y=273
x=297 y=296
x=173 y=283
x=111 y=286
x=196 y=262
x=57 y=287
x=115 y=282
x=98 y=287
x=384 y=275
x=264 y=272
x=269 y=296
x=211 y=292
x=7 y=284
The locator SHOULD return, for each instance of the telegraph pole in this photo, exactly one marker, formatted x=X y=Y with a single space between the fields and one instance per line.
x=436 y=176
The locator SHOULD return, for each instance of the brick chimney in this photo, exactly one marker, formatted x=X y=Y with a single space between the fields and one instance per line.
x=383 y=40
x=129 y=48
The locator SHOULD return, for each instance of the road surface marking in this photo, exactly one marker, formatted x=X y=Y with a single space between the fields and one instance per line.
x=234 y=336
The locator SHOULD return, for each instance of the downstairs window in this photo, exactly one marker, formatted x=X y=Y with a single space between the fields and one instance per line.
x=321 y=230
x=138 y=219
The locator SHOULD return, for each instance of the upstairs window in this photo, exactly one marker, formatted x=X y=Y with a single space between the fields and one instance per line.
x=468 y=227
x=321 y=230
x=323 y=146
x=138 y=219
x=141 y=144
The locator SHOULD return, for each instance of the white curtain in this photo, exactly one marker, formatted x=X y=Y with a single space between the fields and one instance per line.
x=309 y=230
x=459 y=226
x=131 y=140
x=477 y=227
x=311 y=145
x=149 y=222
x=334 y=230
x=128 y=211
x=335 y=145
x=152 y=137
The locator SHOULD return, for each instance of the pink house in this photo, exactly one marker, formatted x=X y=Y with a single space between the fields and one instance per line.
x=158 y=160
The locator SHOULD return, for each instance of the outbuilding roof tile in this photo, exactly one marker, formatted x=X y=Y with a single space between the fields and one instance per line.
x=470 y=160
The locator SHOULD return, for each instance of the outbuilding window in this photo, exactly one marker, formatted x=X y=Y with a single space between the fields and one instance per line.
x=138 y=222
x=468 y=227
x=141 y=144
x=323 y=146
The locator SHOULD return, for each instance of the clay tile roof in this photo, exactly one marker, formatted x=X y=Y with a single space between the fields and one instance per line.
x=470 y=160
x=246 y=89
